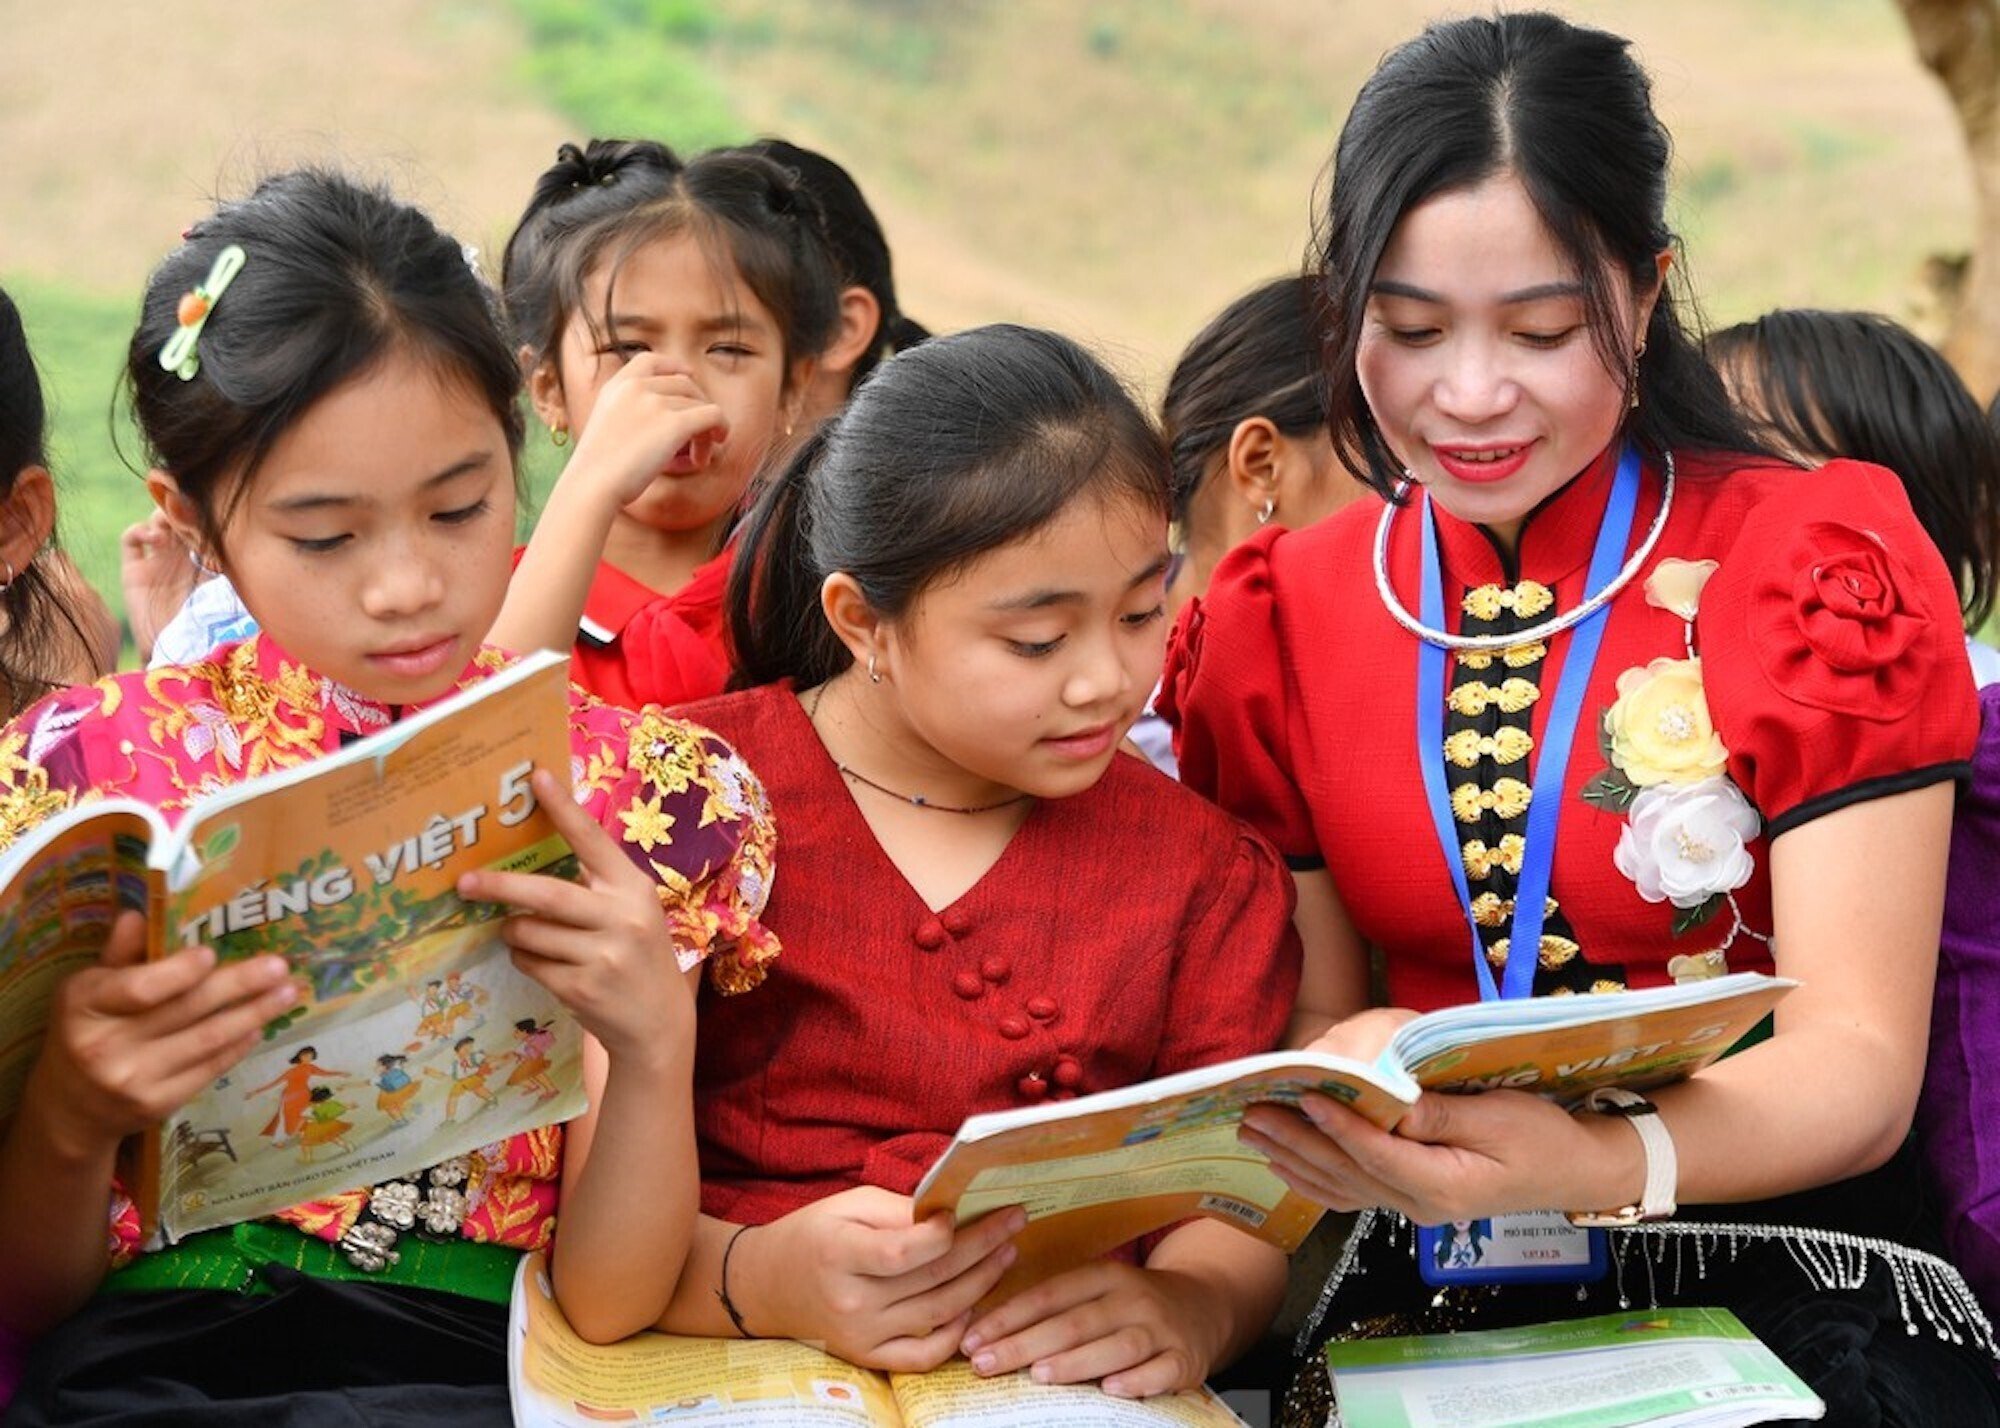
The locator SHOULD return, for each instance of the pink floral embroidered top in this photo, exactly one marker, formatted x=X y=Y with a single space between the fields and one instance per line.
x=684 y=806
x=1790 y=647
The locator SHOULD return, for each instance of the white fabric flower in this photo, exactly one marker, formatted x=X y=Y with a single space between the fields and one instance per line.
x=442 y=1210
x=395 y=1202
x=1684 y=843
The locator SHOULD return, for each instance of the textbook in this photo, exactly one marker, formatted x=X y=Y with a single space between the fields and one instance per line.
x=414 y=1039
x=558 y=1380
x=1649 y=1368
x=1101 y=1170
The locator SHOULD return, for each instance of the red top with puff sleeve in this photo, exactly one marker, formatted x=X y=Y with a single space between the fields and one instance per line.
x=1823 y=664
x=1127 y=931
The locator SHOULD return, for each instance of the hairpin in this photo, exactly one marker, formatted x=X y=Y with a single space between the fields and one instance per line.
x=179 y=355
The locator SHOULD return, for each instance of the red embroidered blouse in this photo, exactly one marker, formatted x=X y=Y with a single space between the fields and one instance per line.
x=1126 y=932
x=1823 y=653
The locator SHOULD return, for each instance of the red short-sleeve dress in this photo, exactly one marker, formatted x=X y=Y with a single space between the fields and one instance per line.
x=1129 y=931
x=1790 y=646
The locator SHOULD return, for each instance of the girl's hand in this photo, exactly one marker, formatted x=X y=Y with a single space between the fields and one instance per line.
x=1142 y=1331
x=648 y=414
x=132 y=1041
x=1451 y=1157
x=853 y=1273
x=599 y=944
x=1363 y=1035
x=157 y=576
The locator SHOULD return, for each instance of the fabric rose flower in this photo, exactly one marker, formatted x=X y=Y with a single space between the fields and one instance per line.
x=1659 y=729
x=1849 y=607
x=1685 y=843
x=1675 y=586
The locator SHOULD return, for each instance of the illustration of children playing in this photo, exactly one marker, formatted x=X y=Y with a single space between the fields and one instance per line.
x=433 y=1014
x=469 y=1070
x=531 y=1073
x=324 y=1125
x=463 y=999
x=395 y=1087
x=295 y=1085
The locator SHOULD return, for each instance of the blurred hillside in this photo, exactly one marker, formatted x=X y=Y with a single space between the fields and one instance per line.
x=1118 y=169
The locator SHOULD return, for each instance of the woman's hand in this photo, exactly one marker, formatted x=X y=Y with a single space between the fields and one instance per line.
x=132 y=1041
x=1451 y=1157
x=854 y=1273
x=1142 y=1331
x=600 y=944
x=648 y=414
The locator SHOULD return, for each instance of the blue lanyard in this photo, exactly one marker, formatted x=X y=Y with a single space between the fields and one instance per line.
x=1551 y=755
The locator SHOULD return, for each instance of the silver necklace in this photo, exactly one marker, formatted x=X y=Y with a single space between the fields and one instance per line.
x=1555 y=625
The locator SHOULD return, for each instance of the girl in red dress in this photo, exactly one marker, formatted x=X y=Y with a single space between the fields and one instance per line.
x=669 y=315
x=1601 y=698
x=957 y=590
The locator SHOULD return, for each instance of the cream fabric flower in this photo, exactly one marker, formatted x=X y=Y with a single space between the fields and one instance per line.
x=1675 y=585
x=1659 y=727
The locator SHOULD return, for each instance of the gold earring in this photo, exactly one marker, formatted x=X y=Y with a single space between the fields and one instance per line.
x=1637 y=353
x=559 y=435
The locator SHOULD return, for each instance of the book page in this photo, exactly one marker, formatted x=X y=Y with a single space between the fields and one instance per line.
x=58 y=911
x=1658 y=1367
x=559 y=1380
x=953 y=1396
x=415 y=1039
x=1100 y=1171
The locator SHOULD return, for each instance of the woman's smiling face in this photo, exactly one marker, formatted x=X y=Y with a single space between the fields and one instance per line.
x=1478 y=359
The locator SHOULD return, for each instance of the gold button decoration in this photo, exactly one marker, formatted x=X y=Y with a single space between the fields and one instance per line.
x=1527 y=599
x=1556 y=952
x=1481 y=860
x=1521 y=656
x=1507 y=746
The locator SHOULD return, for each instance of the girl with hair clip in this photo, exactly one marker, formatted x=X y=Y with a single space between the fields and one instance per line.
x=872 y=323
x=1819 y=385
x=54 y=629
x=1245 y=416
x=669 y=315
x=950 y=604
x=330 y=409
x=1604 y=697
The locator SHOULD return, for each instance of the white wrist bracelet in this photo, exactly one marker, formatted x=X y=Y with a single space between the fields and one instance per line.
x=1656 y=1202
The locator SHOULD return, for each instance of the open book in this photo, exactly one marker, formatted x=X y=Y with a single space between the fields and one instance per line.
x=558 y=1380
x=1649 y=1368
x=1101 y=1170
x=414 y=1038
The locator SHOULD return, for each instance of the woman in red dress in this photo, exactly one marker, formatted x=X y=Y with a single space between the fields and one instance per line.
x=1601 y=698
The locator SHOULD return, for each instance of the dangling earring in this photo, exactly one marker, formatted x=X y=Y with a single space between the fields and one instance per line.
x=8 y=583
x=1264 y=511
x=200 y=562
x=1637 y=353
x=874 y=674
x=559 y=436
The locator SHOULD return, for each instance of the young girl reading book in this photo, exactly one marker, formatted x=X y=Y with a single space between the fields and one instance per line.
x=668 y=315
x=331 y=412
x=955 y=590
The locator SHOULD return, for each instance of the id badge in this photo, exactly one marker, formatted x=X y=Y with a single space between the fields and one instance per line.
x=1538 y=1247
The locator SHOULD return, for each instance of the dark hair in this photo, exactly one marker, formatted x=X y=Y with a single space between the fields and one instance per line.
x=304 y=1053
x=860 y=248
x=38 y=620
x=955 y=448
x=1859 y=384
x=337 y=275
x=320 y=1093
x=1569 y=111
x=461 y=1043
x=604 y=201
x=1257 y=357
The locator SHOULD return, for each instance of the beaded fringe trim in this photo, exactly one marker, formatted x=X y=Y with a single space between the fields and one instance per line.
x=1927 y=1288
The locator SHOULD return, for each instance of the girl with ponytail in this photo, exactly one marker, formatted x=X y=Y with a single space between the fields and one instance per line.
x=951 y=608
